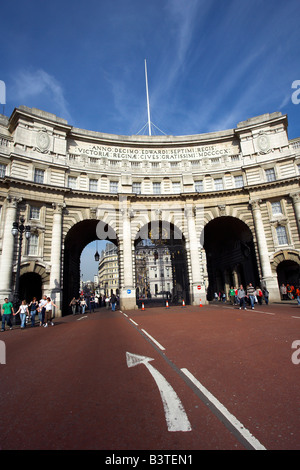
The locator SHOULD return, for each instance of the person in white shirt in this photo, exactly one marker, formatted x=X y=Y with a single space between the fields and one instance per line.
x=48 y=312
x=23 y=311
x=42 y=309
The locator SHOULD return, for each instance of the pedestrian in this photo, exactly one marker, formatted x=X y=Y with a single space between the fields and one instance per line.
x=42 y=309
x=7 y=311
x=107 y=302
x=232 y=295
x=266 y=295
x=83 y=305
x=92 y=303
x=73 y=304
x=251 y=294
x=283 y=292
x=48 y=312
x=259 y=295
x=113 y=301
x=33 y=307
x=23 y=310
x=241 y=297
x=297 y=294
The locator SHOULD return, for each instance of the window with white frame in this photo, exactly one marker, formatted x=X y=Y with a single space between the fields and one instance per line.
x=298 y=168
x=238 y=181
x=2 y=170
x=33 y=245
x=270 y=174
x=72 y=182
x=113 y=187
x=38 y=175
x=93 y=184
x=176 y=187
x=276 y=207
x=281 y=235
x=199 y=186
x=34 y=212
x=218 y=184
x=136 y=188
x=156 y=188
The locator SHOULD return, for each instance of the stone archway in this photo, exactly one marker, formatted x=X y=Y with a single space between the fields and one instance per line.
x=80 y=235
x=230 y=255
x=161 y=265
x=287 y=265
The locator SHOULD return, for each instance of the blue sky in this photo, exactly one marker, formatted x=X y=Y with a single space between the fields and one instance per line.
x=211 y=63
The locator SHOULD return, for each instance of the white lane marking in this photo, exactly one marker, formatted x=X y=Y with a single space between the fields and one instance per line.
x=133 y=322
x=232 y=419
x=81 y=318
x=154 y=340
x=295 y=317
x=175 y=415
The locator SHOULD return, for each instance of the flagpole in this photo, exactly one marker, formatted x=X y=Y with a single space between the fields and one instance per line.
x=148 y=106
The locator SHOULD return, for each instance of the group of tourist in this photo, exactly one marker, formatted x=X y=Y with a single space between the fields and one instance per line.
x=241 y=297
x=28 y=311
x=290 y=292
x=80 y=305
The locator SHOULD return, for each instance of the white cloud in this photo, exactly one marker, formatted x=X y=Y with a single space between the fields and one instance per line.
x=41 y=87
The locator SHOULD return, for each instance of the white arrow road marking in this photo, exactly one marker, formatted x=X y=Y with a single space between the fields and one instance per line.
x=176 y=417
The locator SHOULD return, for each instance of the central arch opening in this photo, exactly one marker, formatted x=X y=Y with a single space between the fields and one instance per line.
x=161 y=265
x=230 y=255
x=77 y=238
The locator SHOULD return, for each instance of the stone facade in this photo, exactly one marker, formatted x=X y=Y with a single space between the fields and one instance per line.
x=73 y=185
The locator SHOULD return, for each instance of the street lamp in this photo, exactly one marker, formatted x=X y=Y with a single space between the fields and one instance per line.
x=21 y=229
x=97 y=256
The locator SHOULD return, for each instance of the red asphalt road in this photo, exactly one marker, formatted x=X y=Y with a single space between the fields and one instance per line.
x=69 y=386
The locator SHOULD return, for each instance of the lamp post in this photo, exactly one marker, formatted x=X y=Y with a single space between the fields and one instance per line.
x=19 y=227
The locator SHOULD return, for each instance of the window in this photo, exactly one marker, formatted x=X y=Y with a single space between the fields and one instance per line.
x=93 y=185
x=176 y=187
x=281 y=235
x=137 y=188
x=298 y=168
x=72 y=182
x=238 y=181
x=39 y=176
x=32 y=246
x=2 y=170
x=199 y=186
x=34 y=212
x=113 y=186
x=156 y=188
x=276 y=207
x=218 y=184
x=270 y=174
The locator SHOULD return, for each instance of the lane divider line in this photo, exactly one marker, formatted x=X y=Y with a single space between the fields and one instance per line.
x=130 y=319
x=226 y=415
x=154 y=340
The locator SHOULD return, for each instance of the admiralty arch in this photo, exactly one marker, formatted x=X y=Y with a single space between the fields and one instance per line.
x=224 y=206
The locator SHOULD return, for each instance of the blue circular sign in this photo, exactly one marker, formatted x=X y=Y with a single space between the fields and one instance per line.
x=128 y=291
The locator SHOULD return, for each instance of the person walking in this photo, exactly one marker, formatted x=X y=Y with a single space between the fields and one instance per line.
x=251 y=294
x=297 y=295
x=7 y=311
x=48 y=312
x=232 y=295
x=33 y=307
x=266 y=295
x=92 y=303
x=42 y=309
x=241 y=297
x=23 y=310
x=83 y=305
x=73 y=304
x=113 y=301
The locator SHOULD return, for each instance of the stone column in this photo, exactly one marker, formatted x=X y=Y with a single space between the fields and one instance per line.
x=56 y=244
x=296 y=203
x=268 y=278
x=8 y=240
x=194 y=245
x=127 y=289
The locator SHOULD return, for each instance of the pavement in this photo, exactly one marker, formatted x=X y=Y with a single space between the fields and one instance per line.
x=179 y=379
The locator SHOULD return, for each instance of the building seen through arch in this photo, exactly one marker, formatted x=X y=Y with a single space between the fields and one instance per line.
x=187 y=215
